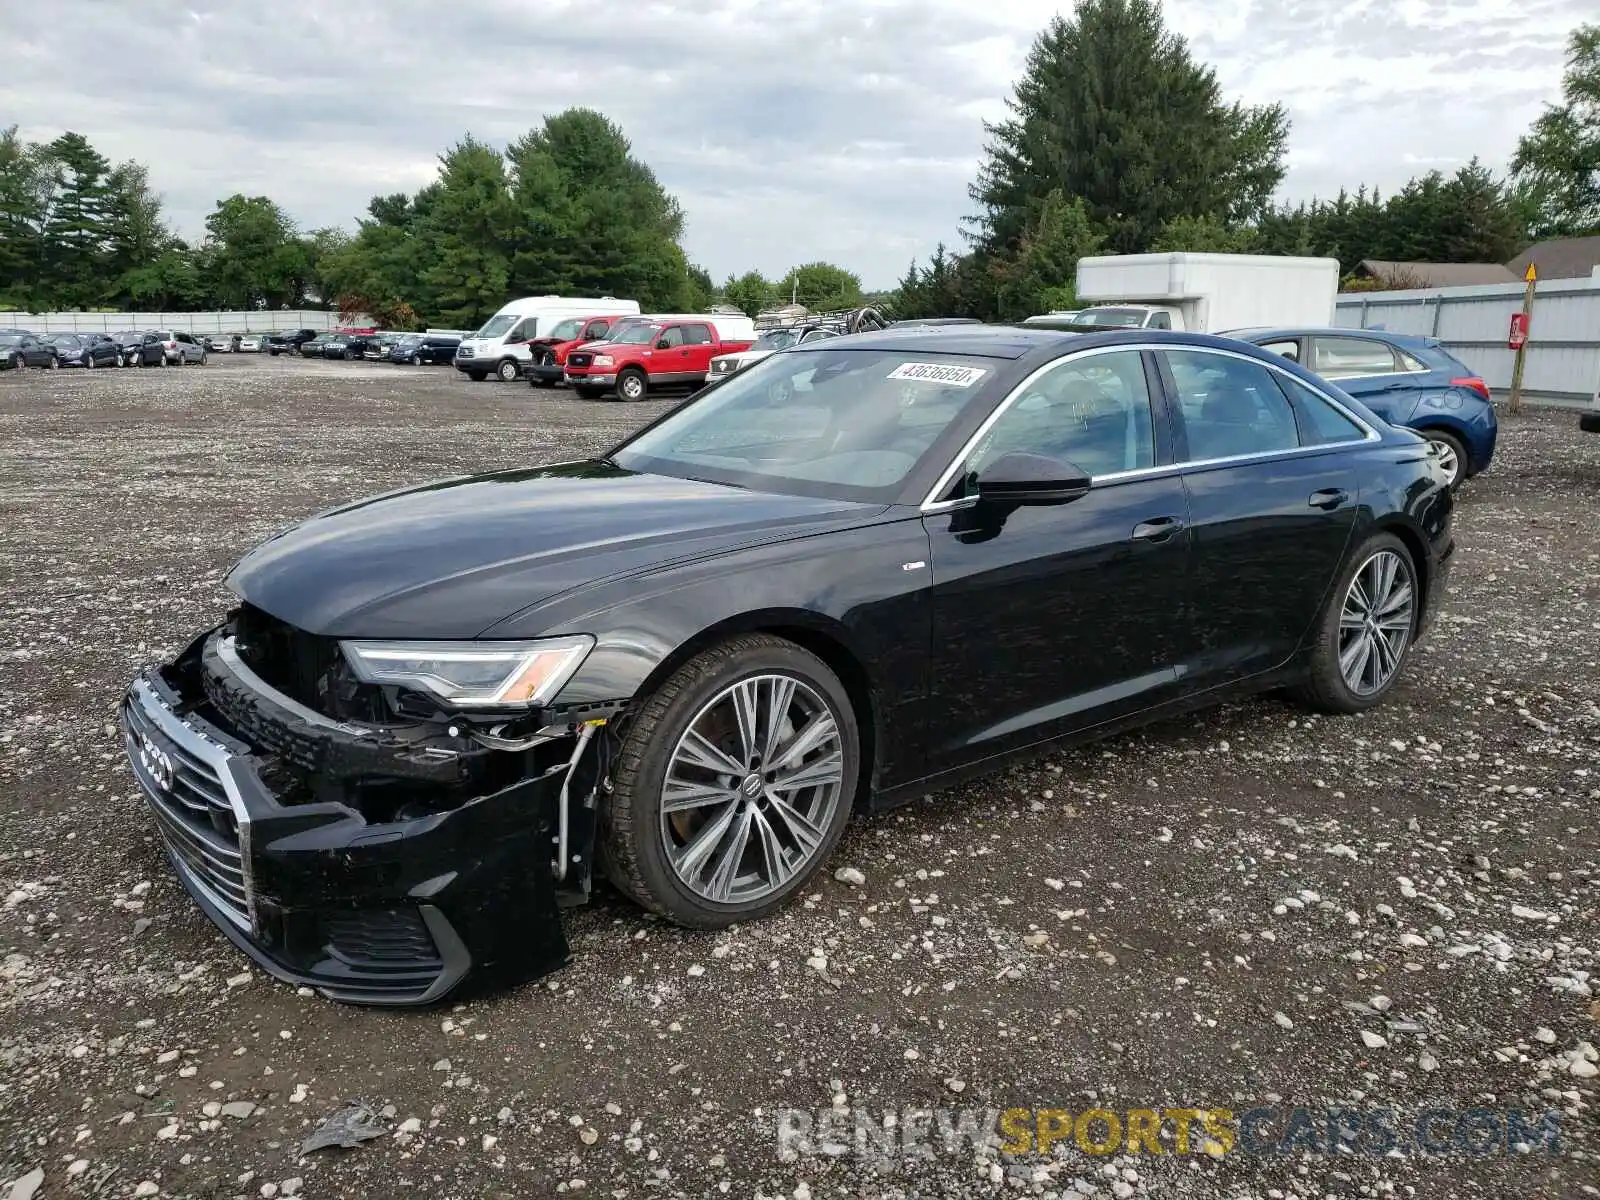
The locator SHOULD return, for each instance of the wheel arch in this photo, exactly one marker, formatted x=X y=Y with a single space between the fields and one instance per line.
x=1417 y=545
x=827 y=639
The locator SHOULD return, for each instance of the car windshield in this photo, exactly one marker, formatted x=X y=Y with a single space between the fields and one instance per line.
x=774 y=339
x=636 y=335
x=1120 y=318
x=495 y=326
x=62 y=339
x=566 y=330
x=849 y=424
x=10 y=339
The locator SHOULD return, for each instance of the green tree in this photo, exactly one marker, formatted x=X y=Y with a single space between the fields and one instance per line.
x=253 y=257
x=590 y=217
x=702 y=291
x=820 y=286
x=1204 y=235
x=1112 y=108
x=77 y=225
x=1043 y=275
x=1558 y=161
x=465 y=234
x=750 y=293
x=168 y=282
x=25 y=189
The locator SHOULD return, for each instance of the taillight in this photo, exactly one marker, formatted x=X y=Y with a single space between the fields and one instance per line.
x=1473 y=384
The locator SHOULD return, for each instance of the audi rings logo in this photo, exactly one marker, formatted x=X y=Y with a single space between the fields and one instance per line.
x=156 y=763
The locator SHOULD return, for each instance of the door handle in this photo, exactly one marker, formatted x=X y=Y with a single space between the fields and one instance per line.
x=1328 y=499
x=1156 y=529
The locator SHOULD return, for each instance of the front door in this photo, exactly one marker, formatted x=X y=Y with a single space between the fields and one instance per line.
x=1055 y=618
x=1272 y=496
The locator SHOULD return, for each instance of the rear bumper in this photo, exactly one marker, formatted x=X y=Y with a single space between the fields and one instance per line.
x=399 y=912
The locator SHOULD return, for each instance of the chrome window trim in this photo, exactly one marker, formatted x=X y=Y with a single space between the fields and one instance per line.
x=1369 y=434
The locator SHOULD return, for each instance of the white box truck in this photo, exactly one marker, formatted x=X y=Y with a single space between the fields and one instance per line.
x=1206 y=293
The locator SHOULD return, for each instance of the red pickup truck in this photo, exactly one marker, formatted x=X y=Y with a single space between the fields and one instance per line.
x=660 y=354
x=550 y=353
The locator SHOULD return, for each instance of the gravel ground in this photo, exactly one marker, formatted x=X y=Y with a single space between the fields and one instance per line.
x=1252 y=907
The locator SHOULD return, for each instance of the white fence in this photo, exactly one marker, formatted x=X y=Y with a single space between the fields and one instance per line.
x=265 y=321
x=1563 y=359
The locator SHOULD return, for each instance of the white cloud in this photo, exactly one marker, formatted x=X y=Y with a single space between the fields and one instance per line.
x=789 y=130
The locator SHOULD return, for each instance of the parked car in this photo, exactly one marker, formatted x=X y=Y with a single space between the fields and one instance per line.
x=425 y=348
x=661 y=354
x=85 y=350
x=314 y=347
x=248 y=343
x=767 y=343
x=21 y=350
x=1406 y=379
x=347 y=345
x=130 y=342
x=218 y=343
x=289 y=341
x=148 y=351
x=432 y=716
x=547 y=356
x=181 y=348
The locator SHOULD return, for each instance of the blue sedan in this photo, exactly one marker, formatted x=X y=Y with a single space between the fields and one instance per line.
x=1406 y=379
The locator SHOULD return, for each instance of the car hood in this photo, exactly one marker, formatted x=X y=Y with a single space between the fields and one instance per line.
x=452 y=558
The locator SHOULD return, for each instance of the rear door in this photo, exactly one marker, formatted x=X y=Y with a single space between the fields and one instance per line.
x=1273 y=494
x=1370 y=370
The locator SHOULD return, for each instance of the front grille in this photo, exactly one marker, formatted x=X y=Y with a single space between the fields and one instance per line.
x=295 y=662
x=576 y=359
x=463 y=352
x=379 y=951
x=194 y=816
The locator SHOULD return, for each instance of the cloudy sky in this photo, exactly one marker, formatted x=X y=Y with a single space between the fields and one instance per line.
x=845 y=131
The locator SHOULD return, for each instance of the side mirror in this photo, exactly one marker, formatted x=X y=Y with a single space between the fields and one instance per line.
x=1031 y=479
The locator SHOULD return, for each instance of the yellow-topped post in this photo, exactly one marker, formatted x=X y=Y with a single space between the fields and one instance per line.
x=1521 y=344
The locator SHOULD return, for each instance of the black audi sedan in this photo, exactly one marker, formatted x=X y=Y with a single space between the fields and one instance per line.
x=436 y=713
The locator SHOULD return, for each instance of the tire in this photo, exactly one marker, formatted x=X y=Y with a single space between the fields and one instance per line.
x=18 y=363
x=1454 y=454
x=55 y=362
x=416 y=360
x=88 y=362
x=656 y=858
x=1327 y=687
x=202 y=358
x=588 y=393
x=508 y=371
x=477 y=376
x=632 y=385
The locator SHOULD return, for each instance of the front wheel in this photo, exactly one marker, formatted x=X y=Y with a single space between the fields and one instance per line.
x=88 y=362
x=416 y=360
x=202 y=358
x=508 y=371
x=1452 y=455
x=1364 y=633
x=631 y=385
x=55 y=363
x=18 y=363
x=733 y=784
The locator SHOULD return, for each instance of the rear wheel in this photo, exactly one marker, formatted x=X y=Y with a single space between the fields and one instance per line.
x=1365 y=630
x=1452 y=454
x=733 y=784
x=632 y=385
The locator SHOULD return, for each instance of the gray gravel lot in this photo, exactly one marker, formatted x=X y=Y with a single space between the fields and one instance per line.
x=1250 y=907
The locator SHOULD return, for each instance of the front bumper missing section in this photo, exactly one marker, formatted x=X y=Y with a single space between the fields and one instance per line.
x=396 y=912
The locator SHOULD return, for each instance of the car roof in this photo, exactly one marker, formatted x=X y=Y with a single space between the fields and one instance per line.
x=1261 y=333
x=1014 y=341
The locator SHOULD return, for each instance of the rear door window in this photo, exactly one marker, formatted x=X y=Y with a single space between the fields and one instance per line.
x=697 y=335
x=1231 y=407
x=1351 y=358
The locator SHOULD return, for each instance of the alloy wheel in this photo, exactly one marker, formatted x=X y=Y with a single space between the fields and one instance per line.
x=1448 y=459
x=1375 y=622
x=752 y=788
x=631 y=387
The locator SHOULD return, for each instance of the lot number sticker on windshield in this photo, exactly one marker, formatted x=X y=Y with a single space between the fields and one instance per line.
x=952 y=376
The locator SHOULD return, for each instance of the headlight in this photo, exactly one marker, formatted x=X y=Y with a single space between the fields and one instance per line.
x=604 y=360
x=473 y=674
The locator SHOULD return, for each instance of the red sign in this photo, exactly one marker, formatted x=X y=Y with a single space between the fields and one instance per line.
x=1519 y=331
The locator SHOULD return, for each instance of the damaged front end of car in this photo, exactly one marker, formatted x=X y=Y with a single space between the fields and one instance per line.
x=384 y=822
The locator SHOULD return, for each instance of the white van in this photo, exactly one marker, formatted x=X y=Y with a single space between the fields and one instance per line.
x=501 y=346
